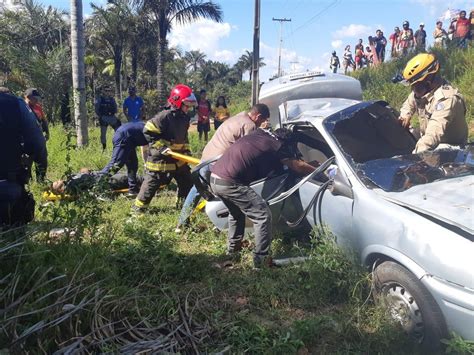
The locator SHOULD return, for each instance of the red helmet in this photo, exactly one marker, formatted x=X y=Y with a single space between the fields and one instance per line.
x=181 y=93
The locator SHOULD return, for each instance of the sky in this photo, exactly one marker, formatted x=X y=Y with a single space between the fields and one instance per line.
x=317 y=28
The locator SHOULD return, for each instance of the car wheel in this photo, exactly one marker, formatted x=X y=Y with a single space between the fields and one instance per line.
x=411 y=304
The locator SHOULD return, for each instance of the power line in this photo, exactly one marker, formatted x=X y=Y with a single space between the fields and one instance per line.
x=316 y=15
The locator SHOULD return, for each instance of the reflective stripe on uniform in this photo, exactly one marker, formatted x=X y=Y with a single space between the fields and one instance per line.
x=139 y=203
x=179 y=147
x=162 y=166
x=161 y=143
x=150 y=127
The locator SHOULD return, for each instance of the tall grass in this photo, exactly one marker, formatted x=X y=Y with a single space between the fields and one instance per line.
x=111 y=284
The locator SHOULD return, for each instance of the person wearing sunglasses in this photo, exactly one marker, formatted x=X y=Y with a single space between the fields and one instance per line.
x=168 y=129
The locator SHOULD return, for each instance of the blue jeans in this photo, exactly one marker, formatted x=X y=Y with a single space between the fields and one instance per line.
x=242 y=201
x=191 y=201
x=124 y=153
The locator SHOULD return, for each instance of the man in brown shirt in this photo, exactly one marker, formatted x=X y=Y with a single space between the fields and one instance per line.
x=227 y=134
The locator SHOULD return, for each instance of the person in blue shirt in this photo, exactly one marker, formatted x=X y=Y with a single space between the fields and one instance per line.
x=133 y=106
x=126 y=139
x=20 y=137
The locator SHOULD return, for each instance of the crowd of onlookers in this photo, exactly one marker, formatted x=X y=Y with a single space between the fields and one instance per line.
x=403 y=41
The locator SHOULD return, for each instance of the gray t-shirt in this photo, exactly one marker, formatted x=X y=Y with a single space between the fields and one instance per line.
x=231 y=130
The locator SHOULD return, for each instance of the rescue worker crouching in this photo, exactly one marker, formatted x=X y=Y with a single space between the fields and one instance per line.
x=20 y=134
x=440 y=107
x=126 y=139
x=253 y=157
x=168 y=129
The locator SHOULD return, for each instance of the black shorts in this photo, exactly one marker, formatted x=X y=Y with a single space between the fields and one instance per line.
x=204 y=126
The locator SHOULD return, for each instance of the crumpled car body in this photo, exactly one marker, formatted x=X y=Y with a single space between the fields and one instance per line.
x=381 y=201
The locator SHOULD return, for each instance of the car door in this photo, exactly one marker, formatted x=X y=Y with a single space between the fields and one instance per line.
x=331 y=210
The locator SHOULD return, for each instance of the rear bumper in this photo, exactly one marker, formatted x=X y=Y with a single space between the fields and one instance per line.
x=456 y=303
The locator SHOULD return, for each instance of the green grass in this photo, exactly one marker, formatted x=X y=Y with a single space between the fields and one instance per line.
x=114 y=282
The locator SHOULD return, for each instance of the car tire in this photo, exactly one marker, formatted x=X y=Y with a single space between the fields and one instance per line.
x=410 y=303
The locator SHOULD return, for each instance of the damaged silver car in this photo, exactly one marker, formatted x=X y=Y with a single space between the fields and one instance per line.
x=408 y=216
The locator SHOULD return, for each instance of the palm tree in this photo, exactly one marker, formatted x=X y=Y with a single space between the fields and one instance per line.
x=78 y=73
x=245 y=63
x=94 y=64
x=211 y=71
x=110 y=26
x=165 y=13
x=194 y=60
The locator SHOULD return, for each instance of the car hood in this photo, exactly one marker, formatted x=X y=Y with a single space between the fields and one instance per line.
x=450 y=201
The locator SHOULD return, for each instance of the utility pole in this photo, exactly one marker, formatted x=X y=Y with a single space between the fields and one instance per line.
x=256 y=54
x=281 y=20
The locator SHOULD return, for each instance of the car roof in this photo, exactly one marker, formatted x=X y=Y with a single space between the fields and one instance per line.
x=313 y=110
x=307 y=85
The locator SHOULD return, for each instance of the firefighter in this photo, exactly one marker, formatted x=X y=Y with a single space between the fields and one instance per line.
x=168 y=129
x=440 y=107
x=20 y=135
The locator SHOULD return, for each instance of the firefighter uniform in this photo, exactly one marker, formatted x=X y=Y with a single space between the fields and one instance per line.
x=168 y=129
x=442 y=115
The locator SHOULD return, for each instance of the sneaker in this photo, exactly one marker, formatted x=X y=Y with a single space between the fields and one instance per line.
x=137 y=211
x=178 y=230
x=132 y=194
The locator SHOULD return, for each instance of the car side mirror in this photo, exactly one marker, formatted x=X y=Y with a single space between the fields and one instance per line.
x=339 y=186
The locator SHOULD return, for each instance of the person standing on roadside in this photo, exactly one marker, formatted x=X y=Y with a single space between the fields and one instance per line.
x=334 y=64
x=462 y=30
x=33 y=100
x=359 y=54
x=420 y=38
x=106 y=110
x=347 y=59
x=133 y=106
x=406 y=38
x=380 y=44
x=204 y=112
x=220 y=112
x=440 y=35
x=395 y=42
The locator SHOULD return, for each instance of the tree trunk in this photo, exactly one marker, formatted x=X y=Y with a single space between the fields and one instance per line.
x=160 y=71
x=118 y=72
x=78 y=73
x=134 y=53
